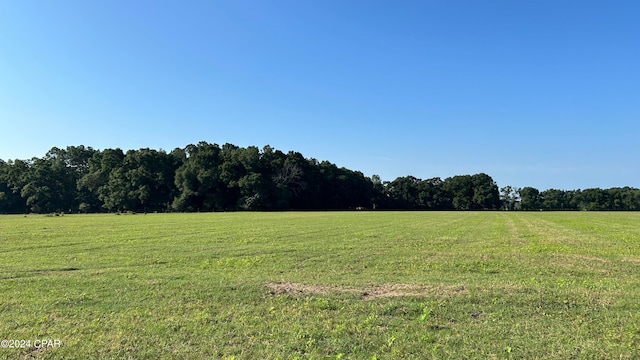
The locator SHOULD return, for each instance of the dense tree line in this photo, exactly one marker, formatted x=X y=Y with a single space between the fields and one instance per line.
x=209 y=177
x=202 y=177
x=594 y=199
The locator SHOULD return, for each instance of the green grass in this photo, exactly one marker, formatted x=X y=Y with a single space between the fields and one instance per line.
x=350 y=285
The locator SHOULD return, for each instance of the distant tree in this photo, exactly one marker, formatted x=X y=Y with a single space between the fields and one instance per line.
x=16 y=176
x=431 y=196
x=404 y=192
x=461 y=191
x=625 y=198
x=377 y=198
x=631 y=198
x=143 y=182
x=509 y=196
x=78 y=159
x=94 y=184
x=50 y=182
x=252 y=185
x=554 y=199
x=198 y=183
x=10 y=180
x=485 y=193
x=595 y=199
x=290 y=178
x=339 y=188
x=356 y=189
x=231 y=170
x=275 y=194
x=530 y=198
x=4 y=186
x=207 y=177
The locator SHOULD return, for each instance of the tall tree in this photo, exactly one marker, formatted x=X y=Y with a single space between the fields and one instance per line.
x=530 y=198
x=460 y=188
x=377 y=198
x=432 y=196
x=198 y=179
x=144 y=181
x=595 y=199
x=10 y=181
x=485 y=193
x=50 y=184
x=509 y=196
x=95 y=182
x=553 y=199
x=404 y=192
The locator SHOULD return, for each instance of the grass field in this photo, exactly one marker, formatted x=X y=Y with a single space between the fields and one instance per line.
x=351 y=285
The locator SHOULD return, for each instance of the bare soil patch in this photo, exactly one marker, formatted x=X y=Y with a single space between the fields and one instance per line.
x=367 y=293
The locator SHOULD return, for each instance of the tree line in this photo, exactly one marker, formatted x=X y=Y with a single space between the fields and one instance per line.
x=209 y=177
x=594 y=199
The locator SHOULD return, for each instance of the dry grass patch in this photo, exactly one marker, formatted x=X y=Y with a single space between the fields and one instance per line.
x=367 y=293
x=586 y=258
x=578 y=261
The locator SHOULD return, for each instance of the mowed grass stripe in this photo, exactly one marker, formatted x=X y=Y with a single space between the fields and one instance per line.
x=323 y=285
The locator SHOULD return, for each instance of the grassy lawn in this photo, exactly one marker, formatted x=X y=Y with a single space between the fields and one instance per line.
x=359 y=285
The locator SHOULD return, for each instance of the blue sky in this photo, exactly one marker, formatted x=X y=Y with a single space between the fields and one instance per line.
x=534 y=93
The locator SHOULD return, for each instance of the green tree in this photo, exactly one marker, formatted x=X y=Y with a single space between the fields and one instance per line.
x=10 y=199
x=144 y=181
x=461 y=190
x=377 y=198
x=509 y=196
x=431 y=196
x=405 y=192
x=485 y=193
x=50 y=182
x=95 y=183
x=595 y=199
x=625 y=198
x=198 y=183
x=530 y=198
x=553 y=199
x=291 y=182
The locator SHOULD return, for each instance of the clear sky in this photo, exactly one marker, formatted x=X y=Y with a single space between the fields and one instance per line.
x=542 y=93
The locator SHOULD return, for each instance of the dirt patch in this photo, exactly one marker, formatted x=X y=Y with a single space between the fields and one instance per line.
x=368 y=293
x=289 y=288
x=398 y=290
